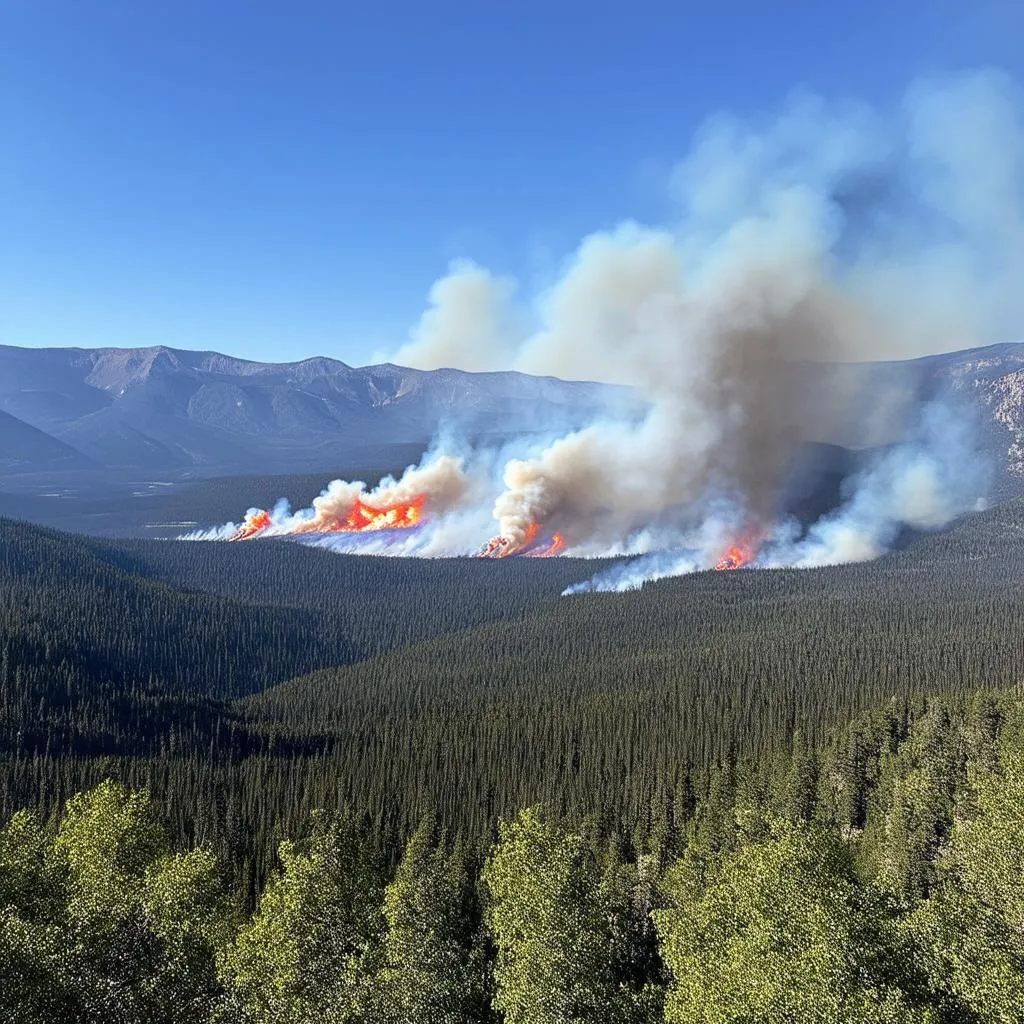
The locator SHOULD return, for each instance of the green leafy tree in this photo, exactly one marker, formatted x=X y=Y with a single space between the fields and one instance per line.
x=780 y=931
x=186 y=908
x=143 y=924
x=30 y=883
x=311 y=948
x=433 y=967
x=973 y=925
x=34 y=950
x=549 y=921
x=35 y=984
x=108 y=839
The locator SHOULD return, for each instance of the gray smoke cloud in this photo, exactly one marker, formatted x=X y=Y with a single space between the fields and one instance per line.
x=925 y=483
x=833 y=235
x=800 y=248
x=917 y=213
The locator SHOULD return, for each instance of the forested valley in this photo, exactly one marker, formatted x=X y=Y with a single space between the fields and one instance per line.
x=266 y=782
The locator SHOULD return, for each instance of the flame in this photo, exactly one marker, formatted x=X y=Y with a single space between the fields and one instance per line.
x=255 y=522
x=496 y=547
x=554 y=547
x=739 y=554
x=557 y=546
x=502 y=547
x=362 y=518
x=367 y=518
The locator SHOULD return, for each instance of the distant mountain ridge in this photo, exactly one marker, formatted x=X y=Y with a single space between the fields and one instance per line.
x=165 y=409
x=174 y=411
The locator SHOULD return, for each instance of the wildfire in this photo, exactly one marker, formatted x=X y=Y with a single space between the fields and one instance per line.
x=255 y=522
x=367 y=518
x=496 y=547
x=554 y=547
x=362 y=518
x=739 y=554
x=502 y=547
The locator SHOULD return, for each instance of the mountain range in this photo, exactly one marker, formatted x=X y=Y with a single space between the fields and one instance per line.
x=189 y=413
x=161 y=409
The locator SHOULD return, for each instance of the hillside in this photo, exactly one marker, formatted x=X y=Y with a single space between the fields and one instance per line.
x=623 y=694
x=24 y=447
x=112 y=648
x=881 y=870
x=463 y=685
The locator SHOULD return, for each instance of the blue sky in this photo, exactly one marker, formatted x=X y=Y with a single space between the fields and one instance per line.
x=283 y=180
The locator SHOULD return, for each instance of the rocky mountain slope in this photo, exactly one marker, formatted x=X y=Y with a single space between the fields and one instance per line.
x=26 y=448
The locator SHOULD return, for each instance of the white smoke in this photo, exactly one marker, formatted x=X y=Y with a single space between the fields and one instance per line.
x=924 y=484
x=440 y=481
x=224 y=532
x=693 y=551
x=917 y=214
x=470 y=323
x=833 y=235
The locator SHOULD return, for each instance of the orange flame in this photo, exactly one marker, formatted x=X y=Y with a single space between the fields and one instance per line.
x=367 y=518
x=255 y=522
x=554 y=547
x=502 y=547
x=739 y=554
x=496 y=547
x=362 y=518
x=557 y=546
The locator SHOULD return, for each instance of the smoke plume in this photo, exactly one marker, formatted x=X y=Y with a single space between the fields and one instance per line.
x=435 y=488
x=924 y=484
x=440 y=484
x=799 y=249
x=470 y=323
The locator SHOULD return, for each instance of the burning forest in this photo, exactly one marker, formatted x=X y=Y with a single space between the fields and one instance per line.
x=739 y=330
x=440 y=508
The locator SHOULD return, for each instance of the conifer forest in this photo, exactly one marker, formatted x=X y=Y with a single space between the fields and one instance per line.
x=270 y=783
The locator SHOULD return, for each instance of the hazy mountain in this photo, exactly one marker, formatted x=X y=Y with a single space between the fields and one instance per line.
x=163 y=409
x=25 y=448
x=985 y=385
x=160 y=409
x=993 y=378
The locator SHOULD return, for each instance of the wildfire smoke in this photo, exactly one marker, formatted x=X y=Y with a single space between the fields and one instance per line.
x=799 y=250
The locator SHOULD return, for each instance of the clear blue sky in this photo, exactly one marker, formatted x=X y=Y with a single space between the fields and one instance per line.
x=278 y=180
